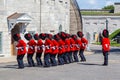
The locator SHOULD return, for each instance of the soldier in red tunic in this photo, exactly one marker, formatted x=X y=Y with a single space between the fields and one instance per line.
x=61 y=50
x=39 y=49
x=83 y=46
x=48 y=50
x=105 y=46
x=66 y=46
x=76 y=48
x=54 y=47
x=31 y=49
x=21 y=50
x=72 y=49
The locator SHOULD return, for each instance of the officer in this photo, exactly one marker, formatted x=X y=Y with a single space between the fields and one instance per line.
x=105 y=46
x=39 y=49
x=31 y=49
x=83 y=46
x=21 y=50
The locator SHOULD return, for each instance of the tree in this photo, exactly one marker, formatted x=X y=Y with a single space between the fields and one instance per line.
x=109 y=7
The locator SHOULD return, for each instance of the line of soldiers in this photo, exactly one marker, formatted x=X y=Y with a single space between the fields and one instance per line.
x=59 y=49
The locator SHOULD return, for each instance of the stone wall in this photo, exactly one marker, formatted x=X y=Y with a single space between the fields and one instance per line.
x=117 y=7
x=93 y=25
x=55 y=14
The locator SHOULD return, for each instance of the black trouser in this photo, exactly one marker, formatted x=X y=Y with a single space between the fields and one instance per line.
x=38 y=59
x=46 y=60
x=81 y=53
x=105 y=54
x=53 y=60
x=70 y=56
x=60 y=59
x=75 y=55
x=20 y=61
x=30 y=60
x=65 y=57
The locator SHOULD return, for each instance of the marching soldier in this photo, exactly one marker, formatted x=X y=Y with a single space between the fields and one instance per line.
x=21 y=50
x=39 y=49
x=61 y=50
x=48 y=50
x=77 y=48
x=83 y=46
x=31 y=49
x=105 y=46
x=66 y=47
x=72 y=49
x=54 y=51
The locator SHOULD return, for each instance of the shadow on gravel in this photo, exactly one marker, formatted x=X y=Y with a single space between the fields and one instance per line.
x=10 y=66
x=90 y=64
x=113 y=50
x=15 y=66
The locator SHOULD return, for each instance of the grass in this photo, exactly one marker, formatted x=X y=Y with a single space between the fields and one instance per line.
x=114 y=34
x=99 y=13
x=114 y=43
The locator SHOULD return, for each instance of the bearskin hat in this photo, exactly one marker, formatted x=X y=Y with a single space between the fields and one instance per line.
x=50 y=36
x=16 y=37
x=36 y=36
x=80 y=34
x=74 y=36
x=42 y=36
x=28 y=36
x=62 y=35
x=67 y=35
x=56 y=37
x=105 y=33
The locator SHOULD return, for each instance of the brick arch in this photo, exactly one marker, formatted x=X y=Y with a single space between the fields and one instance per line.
x=75 y=17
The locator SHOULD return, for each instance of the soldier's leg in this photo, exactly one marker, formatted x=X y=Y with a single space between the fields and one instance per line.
x=75 y=56
x=20 y=61
x=106 y=58
x=46 y=60
x=29 y=60
x=33 y=64
x=81 y=53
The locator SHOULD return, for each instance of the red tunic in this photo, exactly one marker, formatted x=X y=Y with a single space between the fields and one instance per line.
x=21 y=46
x=105 y=44
x=67 y=45
x=39 y=46
x=78 y=43
x=48 y=46
x=72 y=44
x=31 y=46
x=61 y=46
x=55 y=47
x=84 y=43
